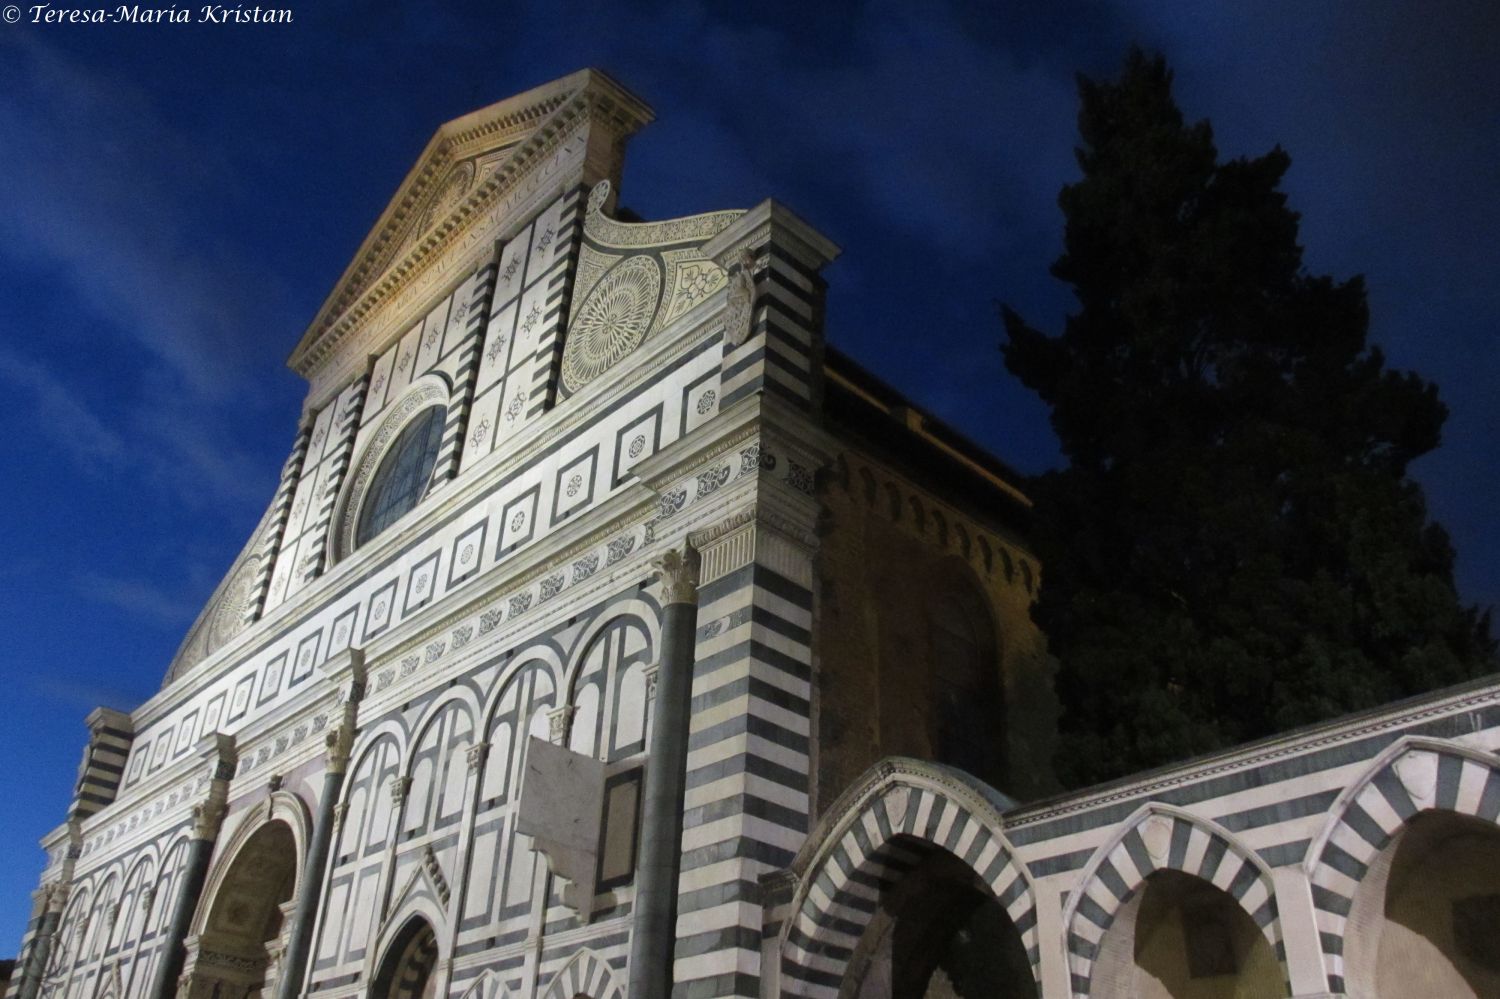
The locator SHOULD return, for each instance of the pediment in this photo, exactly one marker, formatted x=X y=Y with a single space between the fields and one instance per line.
x=465 y=168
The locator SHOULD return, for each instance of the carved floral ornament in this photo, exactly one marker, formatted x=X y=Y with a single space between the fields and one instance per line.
x=340 y=744
x=475 y=756
x=625 y=297
x=208 y=816
x=739 y=305
x=56 y=895
x=610 y=232
x=677 y=568
x=456 y=184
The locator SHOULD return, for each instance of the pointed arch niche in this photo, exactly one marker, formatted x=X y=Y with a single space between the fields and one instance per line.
x=409 y=969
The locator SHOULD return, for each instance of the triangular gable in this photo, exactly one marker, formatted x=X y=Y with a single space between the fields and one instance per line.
x=427 y=883
x=465 y=166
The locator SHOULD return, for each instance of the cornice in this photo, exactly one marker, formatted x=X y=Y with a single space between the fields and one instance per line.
x=633 y=507
x=1454 y=700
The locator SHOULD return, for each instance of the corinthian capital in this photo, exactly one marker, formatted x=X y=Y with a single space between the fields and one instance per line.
x=560 y=723
x=55 y=895
x=677 y=568
x=208 y=816
x=339 y=743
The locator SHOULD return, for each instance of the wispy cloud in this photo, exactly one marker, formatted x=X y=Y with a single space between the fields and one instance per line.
x=61 y=414
x=925 y=127
x=82 y=695
x=177 y=448
x=105 y=188
x=198 y=464
x=145 y=601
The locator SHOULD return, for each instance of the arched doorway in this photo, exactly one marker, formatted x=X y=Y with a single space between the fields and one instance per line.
x=239 y=949
x=1181 y=937
x=408 y=969
x=1426 y=919
x=909 y=887
x=940 y=933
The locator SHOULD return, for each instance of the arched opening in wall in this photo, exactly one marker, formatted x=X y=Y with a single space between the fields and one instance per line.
x=968 y=708
x=408 y=969
x=240 y=948
x=1426 y=919
x=1181 y=937
x=939 y=933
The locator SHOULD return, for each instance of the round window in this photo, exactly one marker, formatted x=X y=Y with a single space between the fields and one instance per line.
x=403 y=476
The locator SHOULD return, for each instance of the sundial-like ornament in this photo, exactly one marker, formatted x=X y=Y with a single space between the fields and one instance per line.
x=612 y=321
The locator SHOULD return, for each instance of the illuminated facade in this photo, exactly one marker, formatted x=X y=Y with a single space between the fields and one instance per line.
x=608 y=634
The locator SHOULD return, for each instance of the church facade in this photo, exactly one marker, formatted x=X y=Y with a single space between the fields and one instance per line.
x=609 y=634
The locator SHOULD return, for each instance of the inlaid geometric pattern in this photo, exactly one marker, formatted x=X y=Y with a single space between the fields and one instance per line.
x=585 y=975
x=612 y=321
x=487 y=986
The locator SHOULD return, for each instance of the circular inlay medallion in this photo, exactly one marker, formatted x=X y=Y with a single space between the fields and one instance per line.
x=612 y=321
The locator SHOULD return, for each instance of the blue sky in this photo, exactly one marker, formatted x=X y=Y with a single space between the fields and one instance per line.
x=176 y=200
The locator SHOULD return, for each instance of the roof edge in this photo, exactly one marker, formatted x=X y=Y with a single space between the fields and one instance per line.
x=530 y=110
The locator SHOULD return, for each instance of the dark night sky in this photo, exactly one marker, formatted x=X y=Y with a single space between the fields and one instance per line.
x=176 y=200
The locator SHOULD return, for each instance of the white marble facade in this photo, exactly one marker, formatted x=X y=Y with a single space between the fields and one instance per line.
x=609 y=391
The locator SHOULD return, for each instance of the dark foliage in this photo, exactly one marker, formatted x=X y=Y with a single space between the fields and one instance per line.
x=1235 y=547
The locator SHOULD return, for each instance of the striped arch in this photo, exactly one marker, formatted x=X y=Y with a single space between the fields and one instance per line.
x=66 y=941
x=487 y=986
x=1412 y=775
x=142 y=873
x=96 y=939
x=1162 y=838
x=414 y=962
x=901 y=811
x=586 y=974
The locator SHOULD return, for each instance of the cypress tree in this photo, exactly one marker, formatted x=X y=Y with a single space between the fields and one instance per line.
x=1234 y=546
